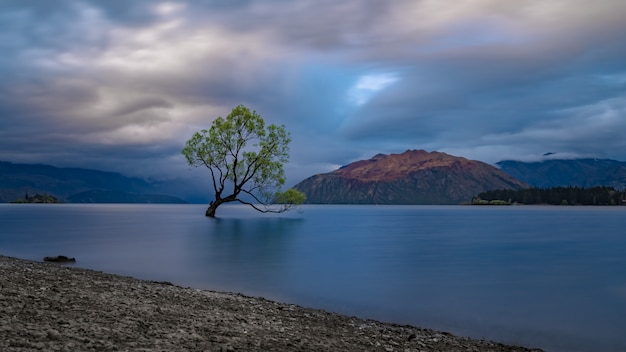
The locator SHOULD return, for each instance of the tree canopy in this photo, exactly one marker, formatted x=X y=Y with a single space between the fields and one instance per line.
x=245 y=159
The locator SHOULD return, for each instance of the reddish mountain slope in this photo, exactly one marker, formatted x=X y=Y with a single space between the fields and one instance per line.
x=413 y=177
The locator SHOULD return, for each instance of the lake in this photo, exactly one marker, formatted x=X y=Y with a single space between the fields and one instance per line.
x=540 y=276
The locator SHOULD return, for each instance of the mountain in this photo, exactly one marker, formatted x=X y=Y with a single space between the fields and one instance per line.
x=122 y=197
x=568 y=172
x=413 y=177
x=18 y=180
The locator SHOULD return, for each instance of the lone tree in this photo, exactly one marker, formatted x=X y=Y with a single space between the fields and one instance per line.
x=245 y=159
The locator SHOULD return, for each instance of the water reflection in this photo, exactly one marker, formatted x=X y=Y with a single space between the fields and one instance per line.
x=246 y=254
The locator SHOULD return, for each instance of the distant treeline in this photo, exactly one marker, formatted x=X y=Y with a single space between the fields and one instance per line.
x=554 y=196
x=37 y=198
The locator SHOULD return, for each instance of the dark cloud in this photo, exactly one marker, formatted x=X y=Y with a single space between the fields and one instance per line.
x=123 y=84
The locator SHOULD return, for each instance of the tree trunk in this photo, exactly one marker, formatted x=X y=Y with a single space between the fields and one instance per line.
x=210 y=212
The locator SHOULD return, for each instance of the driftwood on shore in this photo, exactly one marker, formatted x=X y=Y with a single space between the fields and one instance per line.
x=59 y=259
x=56 y=308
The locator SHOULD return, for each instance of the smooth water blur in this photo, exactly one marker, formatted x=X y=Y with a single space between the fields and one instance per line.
x=549 y=277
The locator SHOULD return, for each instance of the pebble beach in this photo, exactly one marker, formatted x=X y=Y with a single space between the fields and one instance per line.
x=53 y=307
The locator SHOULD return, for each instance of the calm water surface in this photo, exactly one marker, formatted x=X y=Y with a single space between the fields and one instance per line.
x=549 y=277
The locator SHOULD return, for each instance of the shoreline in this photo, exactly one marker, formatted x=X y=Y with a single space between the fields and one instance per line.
x=51 y=307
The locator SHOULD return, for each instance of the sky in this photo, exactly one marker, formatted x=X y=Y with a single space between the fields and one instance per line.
x=121 y=85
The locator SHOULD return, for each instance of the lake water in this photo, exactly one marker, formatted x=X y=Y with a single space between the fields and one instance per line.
x=548 y=277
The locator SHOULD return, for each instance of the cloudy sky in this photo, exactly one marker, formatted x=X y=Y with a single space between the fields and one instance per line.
x=121 y=85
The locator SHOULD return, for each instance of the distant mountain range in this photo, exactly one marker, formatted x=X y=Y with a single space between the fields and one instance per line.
x=568 y=172
x=79 y=185
x=122 y=197
x=413 y=177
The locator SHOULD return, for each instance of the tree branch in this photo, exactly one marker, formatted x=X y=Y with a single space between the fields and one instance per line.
x=266 y=208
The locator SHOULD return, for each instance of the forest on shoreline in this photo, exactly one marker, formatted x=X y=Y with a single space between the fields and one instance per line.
x=571 y=195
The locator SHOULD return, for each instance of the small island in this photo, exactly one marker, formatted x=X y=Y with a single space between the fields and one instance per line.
x=38 y=198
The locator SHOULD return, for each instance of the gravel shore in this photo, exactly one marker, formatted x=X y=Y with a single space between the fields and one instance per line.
x=51 y=307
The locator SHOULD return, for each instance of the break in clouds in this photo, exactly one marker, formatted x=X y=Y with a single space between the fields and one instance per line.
x=122 y=85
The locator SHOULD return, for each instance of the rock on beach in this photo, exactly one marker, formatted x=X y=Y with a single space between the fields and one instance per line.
x=47 y=307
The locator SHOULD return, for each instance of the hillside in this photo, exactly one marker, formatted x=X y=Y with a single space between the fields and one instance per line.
x=568 y=172
x=17 y=180
x=413 y=177
x=122 y=197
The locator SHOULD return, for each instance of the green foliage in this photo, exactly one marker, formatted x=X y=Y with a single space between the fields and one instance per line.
x=499 y=202
x=291 y=196
x=479 y=201
x=555 y=196
x=243 y=156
